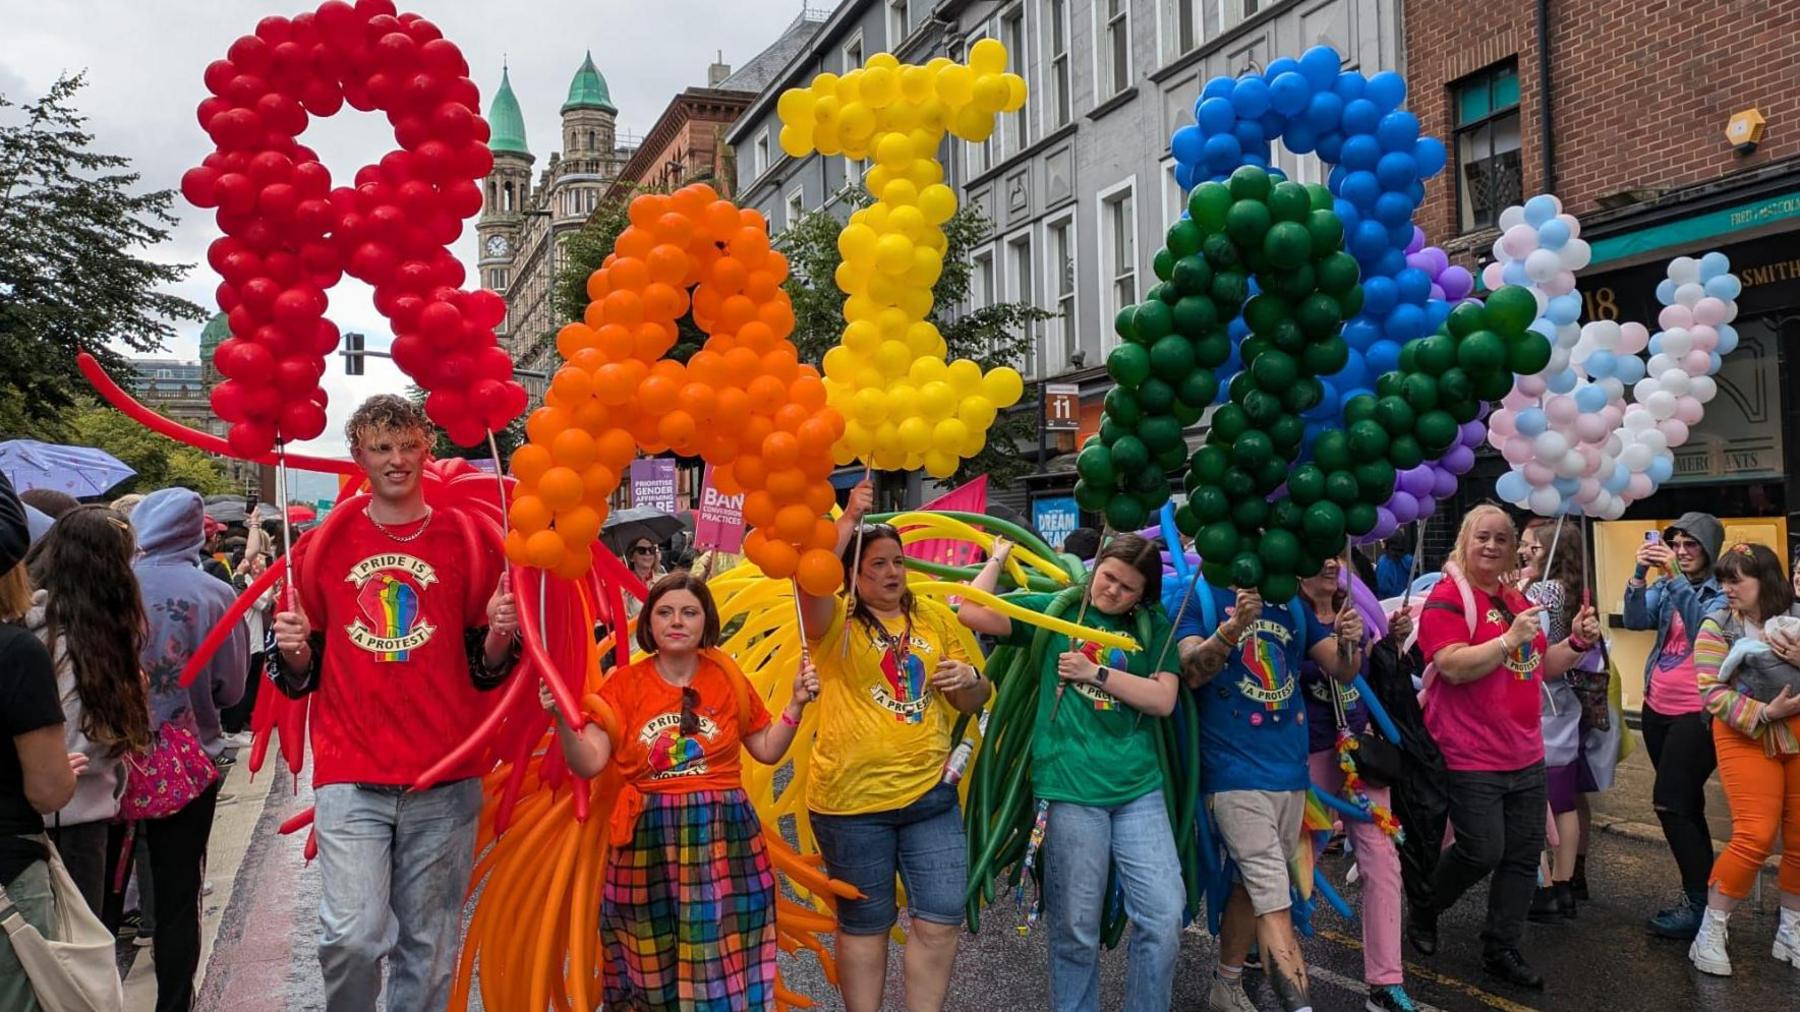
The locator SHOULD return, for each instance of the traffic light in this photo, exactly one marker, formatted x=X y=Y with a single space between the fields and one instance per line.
x=353 y=354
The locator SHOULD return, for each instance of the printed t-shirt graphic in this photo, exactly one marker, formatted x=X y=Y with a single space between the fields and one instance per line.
x=905 y=674
x=655 y=755
x=395 y=693
x=1523 y=662
x=389 y=596
x=880 y=745
x=1267 y=677
x=1106 y=657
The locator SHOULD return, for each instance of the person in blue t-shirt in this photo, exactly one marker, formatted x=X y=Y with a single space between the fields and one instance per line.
x=1243 y=659
x=1394 y=571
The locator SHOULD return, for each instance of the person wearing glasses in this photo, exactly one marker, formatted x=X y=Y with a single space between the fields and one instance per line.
x=645 y=560
x=688 y=905
x=894 y=676
x=1675 y=722
x=1094 y=760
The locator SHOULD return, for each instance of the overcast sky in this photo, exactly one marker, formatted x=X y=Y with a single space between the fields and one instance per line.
x=144 y=60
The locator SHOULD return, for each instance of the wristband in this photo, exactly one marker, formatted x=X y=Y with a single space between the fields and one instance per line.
x=788 y=719
x=1233 y=644
x=1580 y=645
x=1640 y=571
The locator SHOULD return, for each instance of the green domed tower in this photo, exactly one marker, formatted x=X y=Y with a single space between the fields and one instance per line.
x=211 y=336
x=506 y=191
x=588 y=118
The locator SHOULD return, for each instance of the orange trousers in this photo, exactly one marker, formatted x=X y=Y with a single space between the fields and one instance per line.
x=1764 y=792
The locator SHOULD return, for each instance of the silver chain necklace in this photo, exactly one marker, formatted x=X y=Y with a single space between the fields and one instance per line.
x=401 y=538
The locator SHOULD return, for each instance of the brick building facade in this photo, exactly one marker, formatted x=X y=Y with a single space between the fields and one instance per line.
x=1639 y=94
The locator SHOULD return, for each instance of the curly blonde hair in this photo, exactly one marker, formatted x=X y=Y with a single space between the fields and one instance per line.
x=386 y=413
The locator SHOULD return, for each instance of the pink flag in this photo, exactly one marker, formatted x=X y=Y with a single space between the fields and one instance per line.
x=970 y=498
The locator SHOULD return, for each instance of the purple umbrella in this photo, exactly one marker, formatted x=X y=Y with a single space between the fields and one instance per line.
x=81 y=471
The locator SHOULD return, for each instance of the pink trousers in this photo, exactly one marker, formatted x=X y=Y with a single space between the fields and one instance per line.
x=1378 y=866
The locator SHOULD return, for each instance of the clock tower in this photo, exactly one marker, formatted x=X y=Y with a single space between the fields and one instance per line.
x=506 y=192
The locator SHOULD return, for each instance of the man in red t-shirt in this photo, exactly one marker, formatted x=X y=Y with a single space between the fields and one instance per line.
x=398 y=635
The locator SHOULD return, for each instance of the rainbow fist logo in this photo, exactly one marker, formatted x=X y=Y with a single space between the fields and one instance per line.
x=1107 y=657
x=905 y=674
x=390 y=596
x=1265 y=665
x=672 y=753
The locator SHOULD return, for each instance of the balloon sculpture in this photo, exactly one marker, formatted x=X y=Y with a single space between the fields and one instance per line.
x=744 y=401
x=1574 y=443
x=904 y=406
x=1246 y=530
x=289 y=235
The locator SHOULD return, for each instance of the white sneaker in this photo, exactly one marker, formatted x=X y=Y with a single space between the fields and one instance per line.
x=242 y=739
x=1708 y=951
x=1787 y=941
x=1228 y=996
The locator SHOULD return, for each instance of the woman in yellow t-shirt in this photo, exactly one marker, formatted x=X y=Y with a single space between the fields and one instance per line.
x=893 y=676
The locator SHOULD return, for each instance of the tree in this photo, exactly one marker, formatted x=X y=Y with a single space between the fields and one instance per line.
x=584 y=251
x=70 y=279
x=997 y=334
x=160 y=462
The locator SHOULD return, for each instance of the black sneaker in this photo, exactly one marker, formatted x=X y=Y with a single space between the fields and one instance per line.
x=1391 y=998
x=1421 y=930
x=1565 y=900
x=1578 y=886
x=1511 y=967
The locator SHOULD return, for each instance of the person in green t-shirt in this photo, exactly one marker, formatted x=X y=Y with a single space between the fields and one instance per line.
x=1094 y=760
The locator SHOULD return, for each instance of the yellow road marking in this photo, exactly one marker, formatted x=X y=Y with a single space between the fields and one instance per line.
x=1460 y=986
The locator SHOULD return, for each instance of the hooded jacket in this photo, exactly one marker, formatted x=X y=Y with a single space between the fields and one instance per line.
x=98 y=788
x=183 y=604
x=1653 y=606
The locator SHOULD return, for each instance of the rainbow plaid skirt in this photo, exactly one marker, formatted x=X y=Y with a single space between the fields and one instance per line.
x=688 y=910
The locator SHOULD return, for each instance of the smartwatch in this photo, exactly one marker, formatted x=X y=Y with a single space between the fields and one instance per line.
x=1100 y=674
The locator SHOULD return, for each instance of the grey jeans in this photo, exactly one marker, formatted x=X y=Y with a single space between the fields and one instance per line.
x=394 y=865
x=30 y=893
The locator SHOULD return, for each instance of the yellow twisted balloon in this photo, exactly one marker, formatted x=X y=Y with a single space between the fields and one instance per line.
x=904 y=405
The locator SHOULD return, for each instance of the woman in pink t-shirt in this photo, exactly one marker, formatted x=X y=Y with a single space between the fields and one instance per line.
x=1487 y=646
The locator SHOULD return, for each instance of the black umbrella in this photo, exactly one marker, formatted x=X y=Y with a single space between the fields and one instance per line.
x=628 y=525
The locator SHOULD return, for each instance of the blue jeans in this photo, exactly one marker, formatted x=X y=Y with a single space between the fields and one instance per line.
x=924 y=841
x=1079 y=843
x=394 y=865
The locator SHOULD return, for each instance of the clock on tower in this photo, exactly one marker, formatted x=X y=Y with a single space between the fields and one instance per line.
x=497 y=246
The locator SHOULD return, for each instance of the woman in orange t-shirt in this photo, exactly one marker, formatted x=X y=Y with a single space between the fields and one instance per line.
x=688 y=907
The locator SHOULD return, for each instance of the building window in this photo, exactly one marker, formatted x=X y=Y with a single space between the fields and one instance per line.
x=981 y=286
x=1014 y=125
x=897 y=25
x=1020 y=288
x=796 y=207
x=1118 y=232
x=982 y=155
x=1488 y=172
x=1173 y=200
x=506 y=198
x=1056 y=34
x=760 y=158
x=1115 y=50
x=853 y=53
x=1059 y=344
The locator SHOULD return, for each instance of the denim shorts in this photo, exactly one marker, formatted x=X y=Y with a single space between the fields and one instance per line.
x=923 y=841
